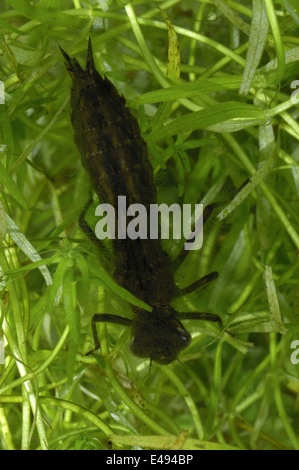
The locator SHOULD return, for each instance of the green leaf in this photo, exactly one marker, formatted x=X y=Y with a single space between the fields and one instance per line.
x=174 y=58
x=237 y=115
x=273 y=300
x=43 y=15
x=36 y=264
x=25 y=55
x=192 y=89
x=295 y=173
x=168 y=442
x=232 y=16
x=11 y=186
x=3 y=225
x=69 y=302
x=23 y=243
x=292 y=7
x=71 y=360
x=267 y=161
x=257 y=40
x=54 y=291
x=123 y=293
x=84 y=268
x=6 y=129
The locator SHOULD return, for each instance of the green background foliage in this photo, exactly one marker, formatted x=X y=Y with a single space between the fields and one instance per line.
x=211 y=85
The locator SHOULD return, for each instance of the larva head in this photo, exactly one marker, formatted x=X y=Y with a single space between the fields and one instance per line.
x=159 y=337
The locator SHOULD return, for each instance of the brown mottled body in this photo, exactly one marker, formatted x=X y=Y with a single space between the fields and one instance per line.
x=115 y=157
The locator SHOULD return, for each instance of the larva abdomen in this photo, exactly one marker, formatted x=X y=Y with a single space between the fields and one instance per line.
x=108 y=137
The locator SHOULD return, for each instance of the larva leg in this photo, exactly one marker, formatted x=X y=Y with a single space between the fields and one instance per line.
x=200 y=283
x=83 y=224
x=206 y=214
x=204 y=316
x=201 y=316
x=105 y=317
x=89 y=232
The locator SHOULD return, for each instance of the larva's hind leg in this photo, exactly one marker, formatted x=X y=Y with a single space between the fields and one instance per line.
x=200 y=283
x=206 y=214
